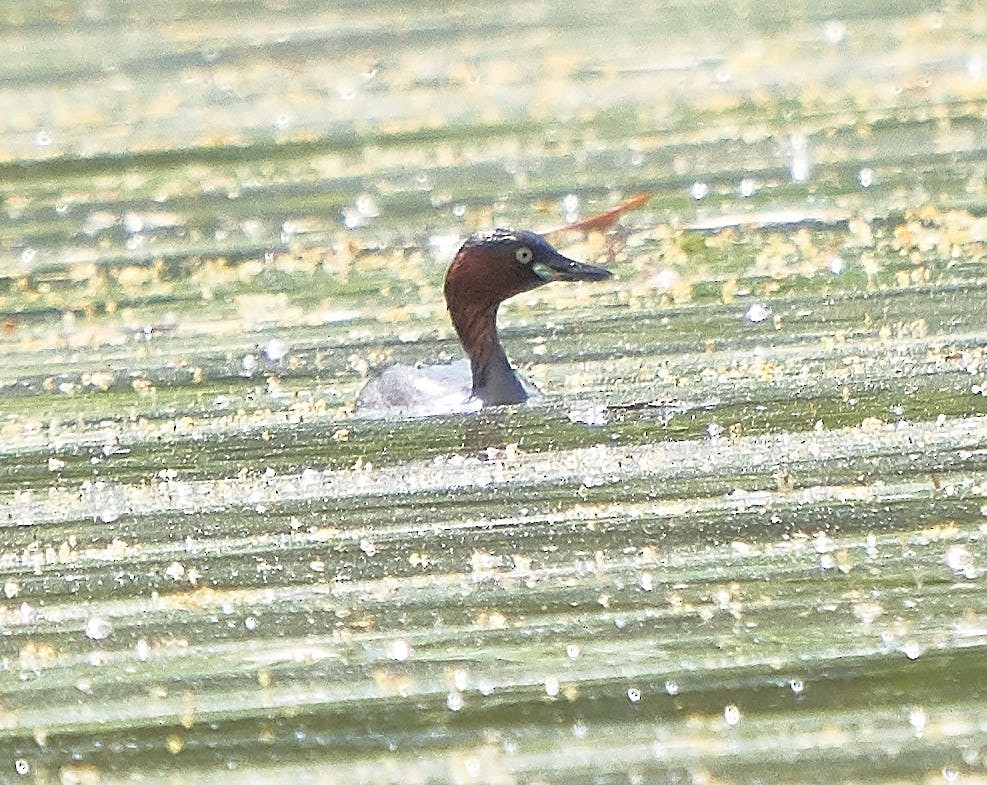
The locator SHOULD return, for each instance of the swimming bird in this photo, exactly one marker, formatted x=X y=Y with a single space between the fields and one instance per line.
x=489 y=268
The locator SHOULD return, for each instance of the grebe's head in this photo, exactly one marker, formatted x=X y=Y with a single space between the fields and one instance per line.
x=492 y=266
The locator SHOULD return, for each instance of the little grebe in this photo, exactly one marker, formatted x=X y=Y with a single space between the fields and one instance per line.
x=488 y=269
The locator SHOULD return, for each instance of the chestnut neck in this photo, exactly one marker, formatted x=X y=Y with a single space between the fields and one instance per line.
x=494 y=380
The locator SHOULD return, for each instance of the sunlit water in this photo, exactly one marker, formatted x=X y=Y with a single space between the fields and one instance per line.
x=739 y=537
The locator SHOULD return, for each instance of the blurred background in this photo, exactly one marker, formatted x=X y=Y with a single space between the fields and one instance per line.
x=739 y=538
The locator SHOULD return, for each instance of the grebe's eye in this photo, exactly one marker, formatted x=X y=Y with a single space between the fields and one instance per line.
x=524 y=254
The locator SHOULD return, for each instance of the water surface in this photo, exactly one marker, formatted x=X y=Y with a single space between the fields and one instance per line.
x=740 y=538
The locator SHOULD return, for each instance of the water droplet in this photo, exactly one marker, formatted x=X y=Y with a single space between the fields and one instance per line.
x=552 y=686
x=796 y=686
x=865 y=177
x=747 y=188
x=911 y=649
x=454 y=700
x=42 y=138
x=22 y=767
x=362 y=210
x=731 y=715
x=834 y=31
x=142 y=650
x=175 y=571
x=84 y=684
x=758 y=312
x=136 y=242
x=398 y=650
x=248 y=363
x=109 y=512
x=98 y=628
x=665 y=279
x=570 y=207
x=699 y=191
x=275 y=350
x=133 y=223
x=836 y=265
x=960 y=560
x=917 y=719
x=572 y=651
x=633 y=694
x=672 y=687
x=647 y=582
x=823 y=543
x=250 y=623
x=801 y=163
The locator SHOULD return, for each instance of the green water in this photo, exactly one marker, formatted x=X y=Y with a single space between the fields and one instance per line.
x=739 y=538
